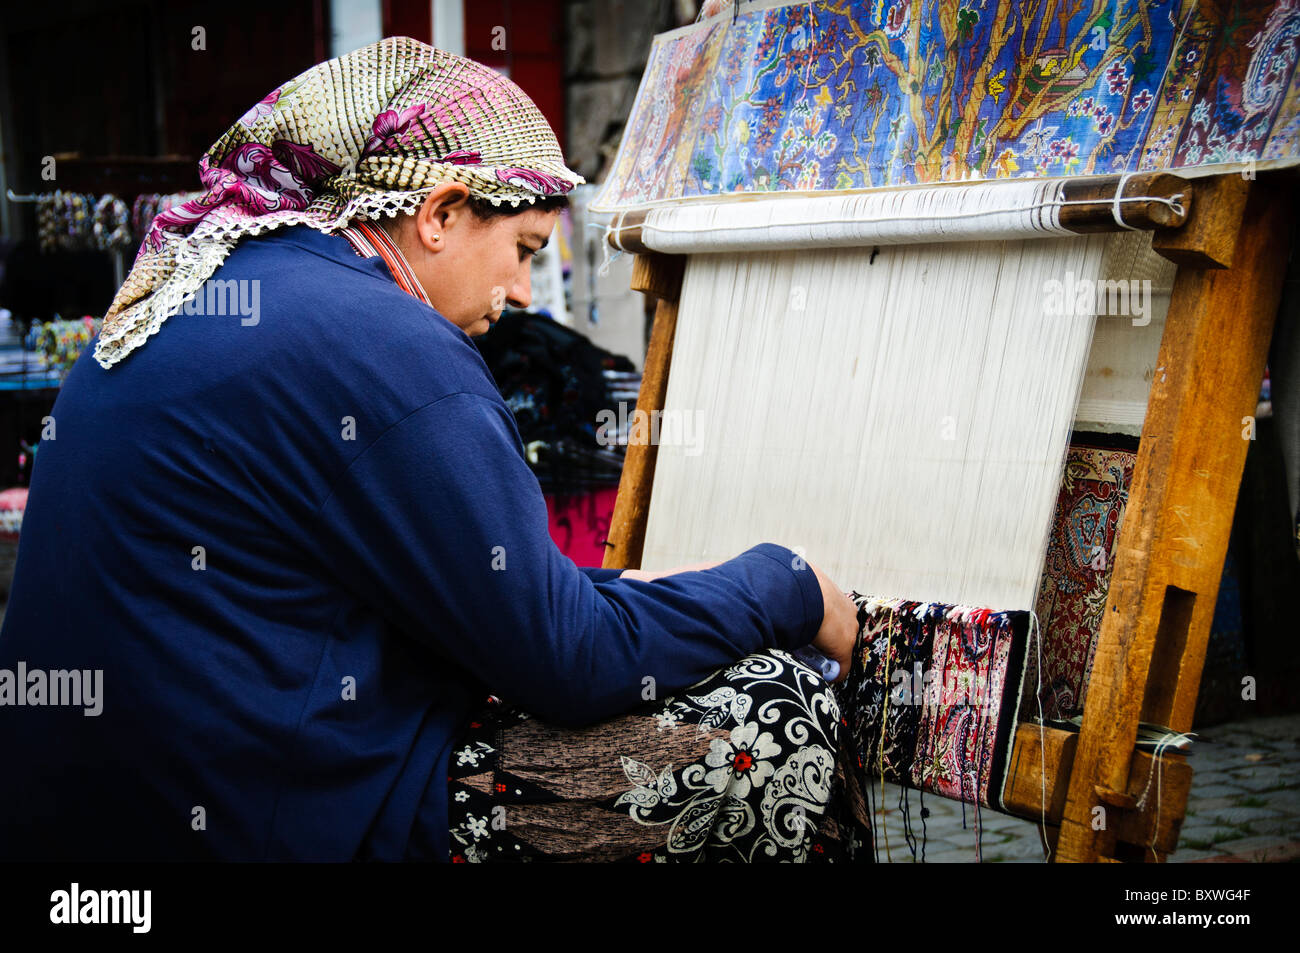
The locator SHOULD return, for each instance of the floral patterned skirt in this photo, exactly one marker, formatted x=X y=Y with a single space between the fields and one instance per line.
x=743 y=766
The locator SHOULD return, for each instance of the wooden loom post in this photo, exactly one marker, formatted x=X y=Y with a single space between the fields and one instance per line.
x=659 y=275
x=1174 y=536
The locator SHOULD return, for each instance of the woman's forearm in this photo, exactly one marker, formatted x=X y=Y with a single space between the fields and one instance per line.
x=646 y=575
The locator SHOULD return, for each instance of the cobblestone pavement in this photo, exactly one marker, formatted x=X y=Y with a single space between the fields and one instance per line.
x=1244 y=806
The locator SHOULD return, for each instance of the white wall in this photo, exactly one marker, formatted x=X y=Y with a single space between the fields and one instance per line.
x=354 y=24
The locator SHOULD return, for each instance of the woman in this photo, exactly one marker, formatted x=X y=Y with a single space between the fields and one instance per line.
x=295 y=539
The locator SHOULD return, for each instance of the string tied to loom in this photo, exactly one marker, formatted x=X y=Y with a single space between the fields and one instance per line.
x=1170 y=737
x=1119 y=197
x=613 y=239
x=1036 y=636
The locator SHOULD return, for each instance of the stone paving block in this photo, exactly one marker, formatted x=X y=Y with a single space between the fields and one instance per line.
x=938 y=831
x=951 y=857
x=1261 y=761
x=1221 y=767
x=1221 y=739
x=1200 y=806
x=941 y=840
x=1021 y=848
x=1246 y=846
x=1230 y=758
x=1284 y=827
x=1181 y=856
x=1197 y=827
x=1204 y=833
x=898 y=845
x=966 y=844
x=935 y=840
x=1261 y=782
x=945 y=821
x=1287 y=801
x=1244 y=815
x=1216 y=790
x=951 y=823
x=939 y=807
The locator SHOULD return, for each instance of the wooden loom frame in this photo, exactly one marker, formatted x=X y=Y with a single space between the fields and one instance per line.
x=1232 y=251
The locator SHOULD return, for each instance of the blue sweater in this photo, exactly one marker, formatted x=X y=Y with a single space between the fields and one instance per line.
x=300 y=551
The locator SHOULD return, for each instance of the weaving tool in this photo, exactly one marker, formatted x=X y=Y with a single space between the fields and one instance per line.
x=798 y=201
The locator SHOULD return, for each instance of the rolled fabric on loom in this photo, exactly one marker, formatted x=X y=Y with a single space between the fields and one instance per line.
x=984 y=211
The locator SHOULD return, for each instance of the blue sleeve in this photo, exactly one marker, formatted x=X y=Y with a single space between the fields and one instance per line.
x=599 y=575
x=441 y=525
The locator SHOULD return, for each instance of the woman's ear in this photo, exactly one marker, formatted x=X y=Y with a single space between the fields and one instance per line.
x=443 y=209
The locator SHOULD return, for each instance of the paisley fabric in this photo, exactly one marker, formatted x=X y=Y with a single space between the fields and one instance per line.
x=743 y=766
x=1076 y=570
x=365 y=134
x=930 y=701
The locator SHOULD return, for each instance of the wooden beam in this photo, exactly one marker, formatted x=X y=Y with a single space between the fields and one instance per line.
x=1209 y=236
x=1023 y=792
x=1161 y=790
x=1096 y=193
x=660 y=275
x=1174 y=536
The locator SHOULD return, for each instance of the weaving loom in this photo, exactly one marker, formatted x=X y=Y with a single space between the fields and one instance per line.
x=889 y=297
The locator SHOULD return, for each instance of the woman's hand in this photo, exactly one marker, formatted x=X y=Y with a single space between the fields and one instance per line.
x=839 y=630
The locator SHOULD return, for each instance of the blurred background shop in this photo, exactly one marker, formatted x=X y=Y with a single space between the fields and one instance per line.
x=106 y=107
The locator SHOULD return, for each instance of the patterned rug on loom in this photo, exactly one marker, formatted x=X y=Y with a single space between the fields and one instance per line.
x=931 y=700
x=936 y=691
x=1076 y=571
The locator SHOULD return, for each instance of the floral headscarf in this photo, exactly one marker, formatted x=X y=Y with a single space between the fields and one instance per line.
x=362 y=135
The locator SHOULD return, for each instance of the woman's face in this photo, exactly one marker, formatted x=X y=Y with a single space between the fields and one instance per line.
x=473 y=269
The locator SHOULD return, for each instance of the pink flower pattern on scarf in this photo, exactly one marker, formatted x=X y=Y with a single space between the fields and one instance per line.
x=256 y=179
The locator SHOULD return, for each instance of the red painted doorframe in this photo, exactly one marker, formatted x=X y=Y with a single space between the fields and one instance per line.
x=531 y=33
x=413 y=18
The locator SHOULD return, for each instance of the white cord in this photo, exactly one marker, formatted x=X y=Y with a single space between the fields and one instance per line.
x=1157 y=769
x=613 y=237
x=1042 y=733
x=1114 y=208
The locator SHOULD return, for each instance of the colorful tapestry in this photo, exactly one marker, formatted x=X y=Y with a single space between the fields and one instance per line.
x=1076 y=570
x=852 y=95
x=931 y=698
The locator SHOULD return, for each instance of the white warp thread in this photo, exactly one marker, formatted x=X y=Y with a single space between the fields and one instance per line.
x=900 y=414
